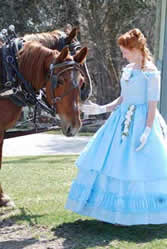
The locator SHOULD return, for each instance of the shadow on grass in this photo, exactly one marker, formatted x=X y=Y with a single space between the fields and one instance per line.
x=9 y=230
x=17 y=244
x=90 y=233
x=24 y=215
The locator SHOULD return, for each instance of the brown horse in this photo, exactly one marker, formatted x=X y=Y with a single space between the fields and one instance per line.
x=39 y=66
x=57 y=39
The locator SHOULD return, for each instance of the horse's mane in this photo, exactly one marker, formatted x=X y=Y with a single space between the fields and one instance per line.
x=48 y=39
x=33 y=60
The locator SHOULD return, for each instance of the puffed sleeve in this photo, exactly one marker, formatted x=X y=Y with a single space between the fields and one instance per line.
x=153 y=88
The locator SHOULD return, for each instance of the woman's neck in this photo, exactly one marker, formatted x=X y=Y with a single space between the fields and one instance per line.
x=138 y=62
x=137 y=58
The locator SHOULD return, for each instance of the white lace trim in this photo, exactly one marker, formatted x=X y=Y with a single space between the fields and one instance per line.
x=149 y=67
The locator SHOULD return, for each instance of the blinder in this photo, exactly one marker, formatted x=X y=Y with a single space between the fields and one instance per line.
x=71 y=65
x=54 y=81
x=74 y=46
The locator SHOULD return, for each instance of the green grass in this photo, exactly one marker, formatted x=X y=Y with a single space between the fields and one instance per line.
x=59 y=132
x=39 y=186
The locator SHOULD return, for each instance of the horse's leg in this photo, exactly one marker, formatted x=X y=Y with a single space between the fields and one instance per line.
x=4 y=199
x=9 y=114
x=1 y=193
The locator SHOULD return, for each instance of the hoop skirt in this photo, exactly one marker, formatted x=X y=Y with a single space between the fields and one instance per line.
x=116 y=183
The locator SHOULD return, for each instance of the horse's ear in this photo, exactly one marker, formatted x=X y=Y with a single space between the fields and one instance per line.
x=81 y=55
x=63 y=54
x=72 y=35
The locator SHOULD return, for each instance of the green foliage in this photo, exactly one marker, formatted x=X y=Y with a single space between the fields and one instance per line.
x=36 y=15
x=100 y=22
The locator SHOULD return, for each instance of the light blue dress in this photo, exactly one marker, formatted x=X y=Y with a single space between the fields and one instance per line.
x=116 y=183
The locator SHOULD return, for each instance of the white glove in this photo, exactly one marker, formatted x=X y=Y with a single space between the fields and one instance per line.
x=143 y=138
x=92 y=109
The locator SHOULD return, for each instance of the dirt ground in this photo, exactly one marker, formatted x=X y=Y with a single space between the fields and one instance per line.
x=15 y=236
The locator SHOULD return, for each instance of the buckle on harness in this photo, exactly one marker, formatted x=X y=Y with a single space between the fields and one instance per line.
x=9 y=59
x=27 y=95
x=15 y=90
x=8 y=84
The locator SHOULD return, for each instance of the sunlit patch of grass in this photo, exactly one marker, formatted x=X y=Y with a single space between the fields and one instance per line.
x=39 y=186
x=59 y=132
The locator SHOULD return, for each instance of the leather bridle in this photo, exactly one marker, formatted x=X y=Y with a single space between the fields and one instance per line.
x=54 y=77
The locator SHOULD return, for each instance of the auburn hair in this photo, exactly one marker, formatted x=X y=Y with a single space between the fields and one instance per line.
x=134 y=38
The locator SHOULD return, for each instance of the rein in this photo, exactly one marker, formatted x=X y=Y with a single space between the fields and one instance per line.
x=14 y=86
x=21 y=92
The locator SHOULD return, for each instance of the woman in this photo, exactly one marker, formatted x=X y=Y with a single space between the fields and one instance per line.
x=122 y=172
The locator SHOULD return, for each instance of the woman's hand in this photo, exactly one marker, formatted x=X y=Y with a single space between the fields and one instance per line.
x=113 y=105
x=152 y=105
x=92 y=108
x=143 y=138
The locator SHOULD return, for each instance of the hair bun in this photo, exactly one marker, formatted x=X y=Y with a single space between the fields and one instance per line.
x=135 y=33
x=134 y=38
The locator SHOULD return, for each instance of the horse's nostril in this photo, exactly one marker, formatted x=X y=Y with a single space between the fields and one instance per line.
x=68 y=131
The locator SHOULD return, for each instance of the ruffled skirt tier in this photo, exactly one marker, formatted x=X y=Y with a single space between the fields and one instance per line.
x=116 y=183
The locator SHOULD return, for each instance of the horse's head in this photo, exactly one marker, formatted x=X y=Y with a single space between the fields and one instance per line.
x=61 y=75
x=57 y=39
x=63 y=88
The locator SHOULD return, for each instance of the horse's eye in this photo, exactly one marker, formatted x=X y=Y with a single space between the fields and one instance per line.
x=77 y=48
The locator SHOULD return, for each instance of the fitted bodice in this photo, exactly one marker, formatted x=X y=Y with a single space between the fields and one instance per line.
x=138 y=87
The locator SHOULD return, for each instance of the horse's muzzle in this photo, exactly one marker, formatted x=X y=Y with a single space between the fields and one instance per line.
x=71 y=131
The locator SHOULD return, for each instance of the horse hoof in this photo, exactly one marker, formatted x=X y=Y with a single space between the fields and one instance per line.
x=5 y=201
